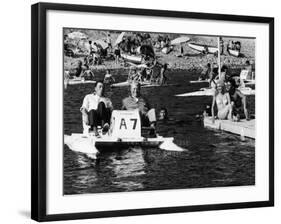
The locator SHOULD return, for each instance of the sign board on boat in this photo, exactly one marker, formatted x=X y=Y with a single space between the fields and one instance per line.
x=125 y=124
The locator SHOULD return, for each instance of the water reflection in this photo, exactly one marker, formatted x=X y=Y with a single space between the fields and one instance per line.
x=126 y=166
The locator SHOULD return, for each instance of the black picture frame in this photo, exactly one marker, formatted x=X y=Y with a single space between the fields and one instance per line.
x=38 y=108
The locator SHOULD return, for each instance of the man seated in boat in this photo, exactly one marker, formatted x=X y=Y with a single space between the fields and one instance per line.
x=96 y=110
x=136 y=101
x=238 y=100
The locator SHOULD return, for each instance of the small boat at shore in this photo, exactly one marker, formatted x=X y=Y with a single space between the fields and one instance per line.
x=203 y=48
x=235 y=53
x=136 y=59
x=77 y=81
x=180 y=40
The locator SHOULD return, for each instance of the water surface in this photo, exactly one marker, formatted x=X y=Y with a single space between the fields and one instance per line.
x=212 y=159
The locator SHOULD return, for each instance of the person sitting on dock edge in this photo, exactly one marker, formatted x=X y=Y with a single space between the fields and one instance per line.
x=238 y=100
x=96 y=110
x=221 y=99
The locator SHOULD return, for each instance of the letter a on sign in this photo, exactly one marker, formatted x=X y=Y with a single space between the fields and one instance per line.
x=123 y=123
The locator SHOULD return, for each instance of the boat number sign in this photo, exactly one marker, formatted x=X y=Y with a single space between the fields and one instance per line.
x=125 y=124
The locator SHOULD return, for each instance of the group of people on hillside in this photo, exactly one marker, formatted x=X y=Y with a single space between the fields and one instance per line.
x=96 y=109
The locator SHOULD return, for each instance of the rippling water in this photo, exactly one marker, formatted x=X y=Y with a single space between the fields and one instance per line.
x=212 y=158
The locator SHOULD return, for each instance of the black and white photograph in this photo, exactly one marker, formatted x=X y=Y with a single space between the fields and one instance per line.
x=148 y=111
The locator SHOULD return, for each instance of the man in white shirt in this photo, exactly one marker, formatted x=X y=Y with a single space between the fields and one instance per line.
x=96 y=109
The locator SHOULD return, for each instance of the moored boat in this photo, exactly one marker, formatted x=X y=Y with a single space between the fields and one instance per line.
x=235 y=53
x=203 y=48
x=136 y=59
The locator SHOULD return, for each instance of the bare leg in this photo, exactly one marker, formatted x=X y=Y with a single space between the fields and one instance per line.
x=229 y=117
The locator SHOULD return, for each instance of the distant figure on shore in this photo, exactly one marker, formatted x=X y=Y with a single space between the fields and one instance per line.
x=162 y=77
x=221 y=99
x=221 y=46
x=117 y=53
x=206 y=72
x=213 y=74
x=108 y=41
x=249 y=68
x=229 y=45
x=238 y=100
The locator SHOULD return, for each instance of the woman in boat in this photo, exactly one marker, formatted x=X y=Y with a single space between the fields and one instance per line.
x=117 y=53
x=221 y=99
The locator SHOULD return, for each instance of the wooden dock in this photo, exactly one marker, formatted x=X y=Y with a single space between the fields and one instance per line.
x=243 y=127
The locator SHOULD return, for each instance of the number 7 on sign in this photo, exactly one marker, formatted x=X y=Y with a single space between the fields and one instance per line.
x=123 y=123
